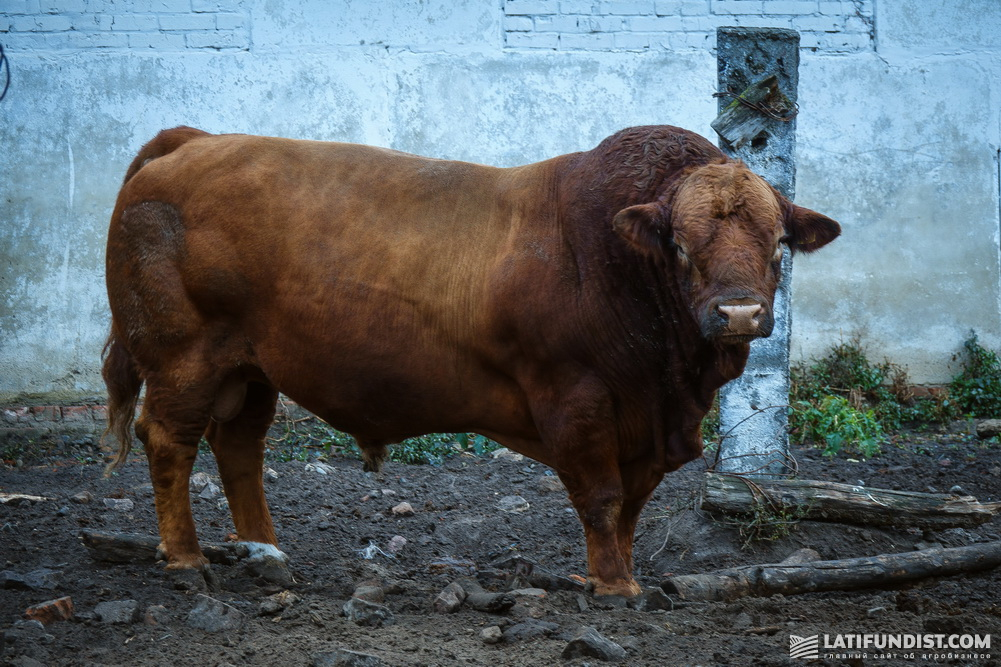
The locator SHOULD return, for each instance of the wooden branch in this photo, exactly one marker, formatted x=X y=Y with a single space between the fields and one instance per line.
x=830 y=501
x=886 y=570
x=129 y=548
x=988 y=428
x=13 y=497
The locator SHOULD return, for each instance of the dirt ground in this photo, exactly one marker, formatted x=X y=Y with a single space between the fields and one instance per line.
x=337 y=526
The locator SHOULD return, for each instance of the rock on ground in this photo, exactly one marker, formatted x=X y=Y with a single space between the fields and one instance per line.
x=213 y=615
x=590 y=644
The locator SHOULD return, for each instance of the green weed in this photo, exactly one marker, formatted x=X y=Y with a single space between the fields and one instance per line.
x=307 y=438
x=835 y=423
x=976 y=390
x=846 y=403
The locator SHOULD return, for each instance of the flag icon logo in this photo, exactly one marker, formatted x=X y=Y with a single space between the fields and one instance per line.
x=804 y=648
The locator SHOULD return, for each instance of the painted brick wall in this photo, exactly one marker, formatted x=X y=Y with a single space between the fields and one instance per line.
x=837 y=26
x=163 y=25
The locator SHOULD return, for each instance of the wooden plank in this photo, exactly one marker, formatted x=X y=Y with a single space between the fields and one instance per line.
x=845 y=503
x=886 y=570
x=740 y=123
x=130 y=548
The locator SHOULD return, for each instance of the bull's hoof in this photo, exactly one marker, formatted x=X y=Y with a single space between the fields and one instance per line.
x=269 y=563
x=619 y=589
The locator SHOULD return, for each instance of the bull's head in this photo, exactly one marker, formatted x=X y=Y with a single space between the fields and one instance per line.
x=722 y=234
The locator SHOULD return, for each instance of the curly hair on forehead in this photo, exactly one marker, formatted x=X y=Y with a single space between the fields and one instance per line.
x=642 y=158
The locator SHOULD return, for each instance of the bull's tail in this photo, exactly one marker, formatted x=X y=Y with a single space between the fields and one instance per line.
x=163 y=143
x=121 y=377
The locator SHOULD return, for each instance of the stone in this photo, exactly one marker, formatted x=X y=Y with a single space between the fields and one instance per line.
x=118 y=611
x=276 y=603
x=368 y=614
x=370 y=593
x=549 y=484
x=119 y=504
x=450 y=599
x=345 y=658
x=82 y=498
x=492 y=603
x=156 y=614
x=209 y=491
x=213 y=615
x=199 y=481
x=320 y=468
x=491 y=635
x=512 y=504
x=590 y=644
x=403 y=509
x=396 y=544
x=653 y=599
x=27 y=640
x=270 y=476
x=505 y=454
x=40 y=579
x=528 y=630
x=269 y=563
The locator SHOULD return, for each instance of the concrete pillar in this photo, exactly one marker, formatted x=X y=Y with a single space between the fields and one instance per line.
x=753 y=415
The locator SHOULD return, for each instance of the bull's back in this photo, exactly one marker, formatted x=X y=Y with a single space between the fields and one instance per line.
x=358 y=275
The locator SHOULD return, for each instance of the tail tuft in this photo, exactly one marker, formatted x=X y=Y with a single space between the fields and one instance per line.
x=121 y=377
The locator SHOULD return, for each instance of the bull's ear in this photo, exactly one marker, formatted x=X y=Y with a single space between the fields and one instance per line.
x=808 y=230
x=645 y=226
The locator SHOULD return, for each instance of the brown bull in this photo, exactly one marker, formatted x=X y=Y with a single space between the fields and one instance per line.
x=582 y=310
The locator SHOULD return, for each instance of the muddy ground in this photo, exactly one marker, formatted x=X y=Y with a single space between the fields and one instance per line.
x=337 y=525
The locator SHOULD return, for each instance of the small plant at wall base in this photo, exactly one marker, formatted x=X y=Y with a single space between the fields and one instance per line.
x=976 y=390
x=835 y=423
x=844 y=402
x=847 y=404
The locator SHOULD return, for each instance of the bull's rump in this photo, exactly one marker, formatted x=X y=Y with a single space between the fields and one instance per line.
x=362 y=282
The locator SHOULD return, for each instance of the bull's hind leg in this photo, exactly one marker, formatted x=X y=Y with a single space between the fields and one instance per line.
x=238 y=445
x=170 y=427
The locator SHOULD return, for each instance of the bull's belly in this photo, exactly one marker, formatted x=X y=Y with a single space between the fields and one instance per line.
x=391 y=392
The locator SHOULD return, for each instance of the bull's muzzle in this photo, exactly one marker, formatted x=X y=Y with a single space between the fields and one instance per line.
x=737 y=320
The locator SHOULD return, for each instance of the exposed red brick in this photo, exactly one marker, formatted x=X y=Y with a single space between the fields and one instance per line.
x=99 y=412
x=16 y=415
x=927 y=391
x=60 y=609
x=76 y=413
x=46 y=413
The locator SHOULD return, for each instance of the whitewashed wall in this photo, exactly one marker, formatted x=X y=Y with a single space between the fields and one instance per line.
x=898 y=134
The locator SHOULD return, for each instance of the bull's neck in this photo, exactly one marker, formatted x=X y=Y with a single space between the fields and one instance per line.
x=640 y=299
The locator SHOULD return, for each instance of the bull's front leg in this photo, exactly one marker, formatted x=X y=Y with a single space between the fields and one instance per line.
x=581 y=434
x=599 y=499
